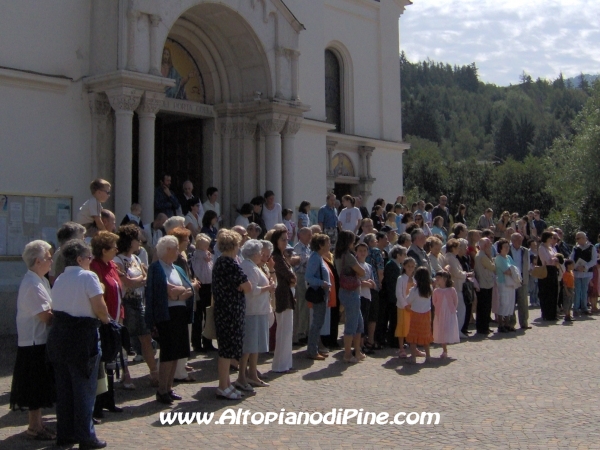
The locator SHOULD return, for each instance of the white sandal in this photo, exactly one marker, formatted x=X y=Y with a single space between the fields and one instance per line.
x=229 y=394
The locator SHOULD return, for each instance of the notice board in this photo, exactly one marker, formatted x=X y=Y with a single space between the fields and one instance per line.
x=24 y=218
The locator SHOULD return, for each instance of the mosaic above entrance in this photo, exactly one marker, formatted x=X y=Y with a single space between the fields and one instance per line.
x=178 y=64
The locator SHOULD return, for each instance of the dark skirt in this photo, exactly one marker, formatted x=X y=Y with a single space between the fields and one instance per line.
x=548 y=294
x=174 y=336
x=33 y=380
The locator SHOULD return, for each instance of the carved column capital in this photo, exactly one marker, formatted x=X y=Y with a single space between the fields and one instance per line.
x=244 y=128
x=225 y=127
x=292 y=125
x=124 y=99
x=365 y=150
x=151 y=103
x=99 y=104
x=272 y=124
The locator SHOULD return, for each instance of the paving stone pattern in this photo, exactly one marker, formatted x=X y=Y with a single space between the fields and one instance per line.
x=530 y=389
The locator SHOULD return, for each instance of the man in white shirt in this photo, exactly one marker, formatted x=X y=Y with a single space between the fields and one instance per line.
x=349 y=217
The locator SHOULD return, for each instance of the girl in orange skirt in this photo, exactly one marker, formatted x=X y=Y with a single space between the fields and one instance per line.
x=419 y=305
x=403 y=286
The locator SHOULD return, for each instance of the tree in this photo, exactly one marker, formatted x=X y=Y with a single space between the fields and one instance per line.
x=525 y=133
x=583 y=83
x=505 y=140
x=574 y=167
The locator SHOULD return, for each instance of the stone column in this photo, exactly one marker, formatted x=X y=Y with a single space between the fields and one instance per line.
x=292 y=127
x=271 y=125
x=366 y=180
x=100 y=108
x=226 y=130
x=294 y=55
x=132 y=18
x=330 y=176
x=261 y=161
x=149 y=106
x=124 y=101
x=248 y=186
x=154 y=51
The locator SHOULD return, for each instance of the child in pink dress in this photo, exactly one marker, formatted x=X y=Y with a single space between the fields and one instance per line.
x=445 y=302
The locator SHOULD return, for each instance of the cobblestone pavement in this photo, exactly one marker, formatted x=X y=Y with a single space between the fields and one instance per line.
x=532 y=389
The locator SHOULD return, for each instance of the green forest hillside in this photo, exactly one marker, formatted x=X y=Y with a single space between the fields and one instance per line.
x=490 y=146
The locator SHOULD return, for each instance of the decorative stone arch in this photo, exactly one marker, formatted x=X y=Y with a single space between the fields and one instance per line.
x=232 y=59
x=347 y=84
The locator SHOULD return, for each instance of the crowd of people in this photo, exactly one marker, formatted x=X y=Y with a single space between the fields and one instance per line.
x=401 y=276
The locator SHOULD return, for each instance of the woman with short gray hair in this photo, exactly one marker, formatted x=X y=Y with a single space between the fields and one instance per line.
x=256 y=326
x=169 y=296
x=32 y=383
x=73 y=345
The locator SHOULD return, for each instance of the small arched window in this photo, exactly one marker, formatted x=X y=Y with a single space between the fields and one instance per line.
x=333 y=90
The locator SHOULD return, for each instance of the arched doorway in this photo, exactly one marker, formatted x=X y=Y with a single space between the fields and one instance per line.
x=216 y=59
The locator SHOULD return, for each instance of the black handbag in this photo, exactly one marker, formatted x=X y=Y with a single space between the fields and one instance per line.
x=468 y=291
x=316 y=295
x=110 y=341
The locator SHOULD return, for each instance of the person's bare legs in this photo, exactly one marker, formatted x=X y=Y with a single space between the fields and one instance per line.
x=427 y=354
x=172 y=376
x=166 y=372
x=371 y=332
x=148 y=354
x=252 y=364
x=223 y=370
x=348 y=338
x=358 y=354
x=242 y=370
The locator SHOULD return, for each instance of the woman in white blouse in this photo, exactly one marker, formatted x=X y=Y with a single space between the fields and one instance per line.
x=256 y=327
x=32 y=384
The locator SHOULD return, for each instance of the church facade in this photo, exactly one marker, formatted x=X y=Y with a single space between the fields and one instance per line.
x=298 y=97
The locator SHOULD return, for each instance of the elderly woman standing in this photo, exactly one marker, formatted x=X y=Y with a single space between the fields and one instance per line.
x=548 y=287
x=104 y=249
x=33 y=383
x=284 y=304
x=183 y=238
x=169 y=298
x=348 y=268
x=506 y=286
x=229 y=285
x=256 y=328
x=317 y=276
x=73 y=346
x=133 y=278
x=458 y=278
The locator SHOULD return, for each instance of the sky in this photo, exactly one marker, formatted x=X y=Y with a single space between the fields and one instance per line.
x=505 y=37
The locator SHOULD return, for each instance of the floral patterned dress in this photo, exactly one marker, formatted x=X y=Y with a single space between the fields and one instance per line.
x=230 y=306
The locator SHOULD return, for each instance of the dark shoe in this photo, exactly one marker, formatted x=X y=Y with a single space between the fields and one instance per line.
x=174 y=395
x=98 y=413
x=368 y=351
x=92 y=444
x=502 y=330
x=303 y=341
x=115 y=409
x=209 y=348
x=526 y=328
x=96 y=421
x=164 y=398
